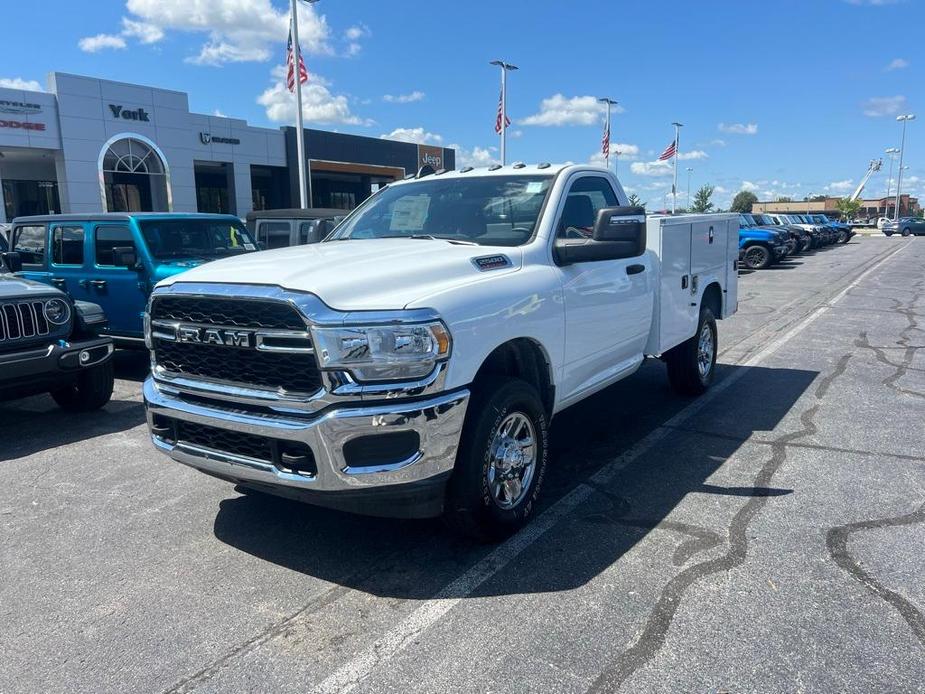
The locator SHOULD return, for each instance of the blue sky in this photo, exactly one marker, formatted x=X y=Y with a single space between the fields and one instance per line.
x=786 y=98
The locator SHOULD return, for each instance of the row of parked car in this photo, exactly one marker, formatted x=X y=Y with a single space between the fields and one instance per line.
x=766 y=239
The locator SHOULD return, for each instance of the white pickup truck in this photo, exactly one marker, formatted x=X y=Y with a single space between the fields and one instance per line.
x=410 y=364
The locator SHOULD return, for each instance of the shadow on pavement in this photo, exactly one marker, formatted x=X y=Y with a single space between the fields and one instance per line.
x=417 y=559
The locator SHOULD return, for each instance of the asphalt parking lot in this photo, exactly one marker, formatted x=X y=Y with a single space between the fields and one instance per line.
x=765 y=538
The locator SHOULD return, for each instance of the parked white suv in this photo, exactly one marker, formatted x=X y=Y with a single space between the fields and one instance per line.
x=411 y=363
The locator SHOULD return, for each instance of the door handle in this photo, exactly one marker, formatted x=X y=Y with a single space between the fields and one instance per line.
x=84 y=283
x=57 y=281
x=99 y=284
x=635 y=269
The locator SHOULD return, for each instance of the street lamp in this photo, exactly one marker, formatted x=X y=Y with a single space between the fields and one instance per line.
x=501 y=125
x=891 y=152
x=902 y=150
x=606 y=139
x=689 y=172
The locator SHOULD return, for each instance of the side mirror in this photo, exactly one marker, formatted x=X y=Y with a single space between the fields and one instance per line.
x=124 y=256
x=619 y=232
x=12 y=260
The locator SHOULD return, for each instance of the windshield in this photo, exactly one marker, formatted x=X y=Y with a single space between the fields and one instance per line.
x=764 y=219
x=486 y=210
x=3 y=245
x=196 y=238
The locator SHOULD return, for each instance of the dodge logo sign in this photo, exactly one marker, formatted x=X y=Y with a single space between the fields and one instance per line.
x=215 y=336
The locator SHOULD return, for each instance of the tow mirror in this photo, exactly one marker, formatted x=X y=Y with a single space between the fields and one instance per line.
x=619 y=232
x=12 y=260
x=124 y=256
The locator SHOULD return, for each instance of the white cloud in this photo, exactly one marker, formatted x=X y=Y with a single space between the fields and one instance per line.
x=840 y=186
x=717 y=143
x=878 y=106
x=651 y=168
x=94 y=44
x=218 y=114
x=719 y=190
x=236 y=30
x=20 y=83
x=749 y=186
x=897 y=64
x=475 y=157
x=415 y=135
x=739 y=128
x=693 y=154
x=627 y=152
x=404 y=98
x=144 y=32
x=560 y=110
x=319 y=105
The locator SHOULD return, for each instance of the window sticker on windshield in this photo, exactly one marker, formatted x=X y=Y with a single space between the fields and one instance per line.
x=534 y=187
x=249 y=247
x=410 y=213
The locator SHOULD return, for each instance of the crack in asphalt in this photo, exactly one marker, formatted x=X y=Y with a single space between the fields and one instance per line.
x=836 y=541
x=656 y=629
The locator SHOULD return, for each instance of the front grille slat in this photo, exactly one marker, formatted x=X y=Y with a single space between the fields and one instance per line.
x=292 y=373
x=224 y=440
x=21 y=321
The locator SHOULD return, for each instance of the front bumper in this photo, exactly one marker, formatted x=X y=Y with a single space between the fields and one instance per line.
x=411 y=485
x=40 y=368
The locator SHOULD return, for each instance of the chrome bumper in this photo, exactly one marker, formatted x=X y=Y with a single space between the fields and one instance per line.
x=437 y=420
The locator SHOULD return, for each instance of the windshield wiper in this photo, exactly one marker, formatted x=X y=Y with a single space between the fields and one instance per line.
x=428 y=237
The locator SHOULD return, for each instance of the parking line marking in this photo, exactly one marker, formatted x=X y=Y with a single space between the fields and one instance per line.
x=357 y=669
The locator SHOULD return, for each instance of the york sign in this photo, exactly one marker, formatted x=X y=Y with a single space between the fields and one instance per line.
x=138 y=114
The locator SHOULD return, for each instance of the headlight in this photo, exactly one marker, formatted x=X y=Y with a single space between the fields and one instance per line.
x=57 y=311
x=383 y=353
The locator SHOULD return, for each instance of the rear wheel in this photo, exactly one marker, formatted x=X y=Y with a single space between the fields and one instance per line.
x=501 y=462
x=888 y=233
x=906 y=231
x=692 y=363
x=91 y=391
x=806 y=244
x=758 y=257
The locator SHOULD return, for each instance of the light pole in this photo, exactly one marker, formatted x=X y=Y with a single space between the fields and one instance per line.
x=891 y=152
x=606 y=139
x=677 y=151
x=501 y=125
x=689 y=172
x=902 y=150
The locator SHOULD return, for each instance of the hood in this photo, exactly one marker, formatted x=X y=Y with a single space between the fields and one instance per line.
x=13 y=287
x=168 y=268
x=756 y=233
x=356 y=275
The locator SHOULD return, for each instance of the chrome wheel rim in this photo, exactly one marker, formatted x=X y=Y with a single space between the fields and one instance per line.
x=513 y=460
x=705 y=348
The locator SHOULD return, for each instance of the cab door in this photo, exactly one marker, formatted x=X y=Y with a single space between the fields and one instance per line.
x=608 y=303
x=122 y=292
x=31 y=242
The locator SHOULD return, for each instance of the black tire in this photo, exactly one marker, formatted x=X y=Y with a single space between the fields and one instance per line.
x=843 y=236
x=472 y=508
x=92 y=390
x=758 y=257
x=906 y=231
x=888 y=233
x=684 y=366
x=805 y=245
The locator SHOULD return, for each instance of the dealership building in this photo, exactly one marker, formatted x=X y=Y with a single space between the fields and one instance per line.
x=870 y=208
x=89 y=145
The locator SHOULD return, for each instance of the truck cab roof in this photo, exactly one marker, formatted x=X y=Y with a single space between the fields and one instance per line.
x=118 y=217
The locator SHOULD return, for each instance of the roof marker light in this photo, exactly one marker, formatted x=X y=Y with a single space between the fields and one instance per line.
x=494 y=167
x=543 y=165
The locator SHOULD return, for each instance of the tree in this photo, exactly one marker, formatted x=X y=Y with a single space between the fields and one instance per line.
x=784 y=198
x=743 y=201
x=702 y=199
x=848 y=208
x=635 y=201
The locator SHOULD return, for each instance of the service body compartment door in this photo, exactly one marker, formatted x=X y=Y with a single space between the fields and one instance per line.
x=708 y=250
x=677 y=318
x=731 y=287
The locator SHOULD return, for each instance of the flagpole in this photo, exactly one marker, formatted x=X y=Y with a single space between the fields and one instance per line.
x=677 y=151
x=304 y=189
x=504 y=70
x=609 y=102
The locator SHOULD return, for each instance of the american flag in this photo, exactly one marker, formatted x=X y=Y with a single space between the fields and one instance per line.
x=605 y=141
x=501 y=115
x=669 y=152
x=290 y=66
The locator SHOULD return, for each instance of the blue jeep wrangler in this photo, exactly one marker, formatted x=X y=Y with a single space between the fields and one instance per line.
x=115 y=259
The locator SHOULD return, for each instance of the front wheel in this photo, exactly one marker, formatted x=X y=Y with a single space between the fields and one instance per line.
x=906 y=231
x=692 y=363
x=501 y=462
x=888 y=233
x=806 y=244
x=91 y=391
x=758 y=257
x=843 y=236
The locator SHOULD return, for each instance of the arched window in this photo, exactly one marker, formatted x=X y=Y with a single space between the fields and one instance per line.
x=134 y=176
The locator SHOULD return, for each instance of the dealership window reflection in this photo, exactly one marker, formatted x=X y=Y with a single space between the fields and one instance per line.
x=134 y=177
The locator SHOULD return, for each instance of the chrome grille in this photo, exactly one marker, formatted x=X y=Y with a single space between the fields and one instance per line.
x=264 y=366
x=24 y=320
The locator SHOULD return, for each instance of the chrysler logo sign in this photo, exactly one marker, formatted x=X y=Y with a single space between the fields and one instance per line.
x=207 y=138
x=215 y=336
x=19 y=107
